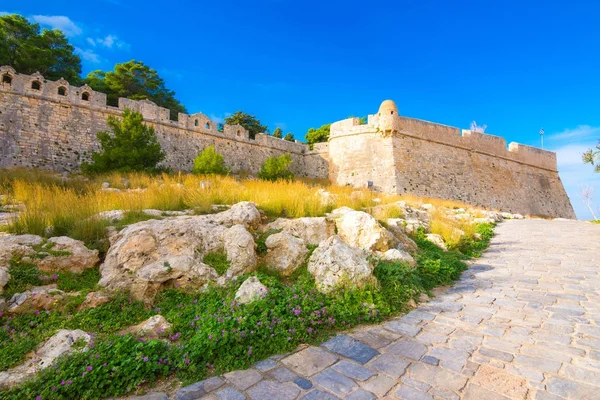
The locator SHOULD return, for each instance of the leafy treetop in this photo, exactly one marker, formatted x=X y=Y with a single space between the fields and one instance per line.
x=289 y=137
x=210 y=162
x=27 y=50
x=249 y=122
x=131 y=146
x=318 y=135
x=276 y=168
x=278 y=133
x=137 y=81
x=592 y=156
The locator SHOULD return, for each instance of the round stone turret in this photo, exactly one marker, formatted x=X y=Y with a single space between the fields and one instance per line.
x=388 y=107
x=388 y=116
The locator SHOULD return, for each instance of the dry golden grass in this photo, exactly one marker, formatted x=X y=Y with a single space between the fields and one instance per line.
x=67 y=205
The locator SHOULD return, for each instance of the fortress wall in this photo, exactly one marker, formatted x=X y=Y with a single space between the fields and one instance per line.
x=428 y=168
x=356 y=159
x=42 y=128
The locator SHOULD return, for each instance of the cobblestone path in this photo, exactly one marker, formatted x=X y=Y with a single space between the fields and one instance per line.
x=522 y=323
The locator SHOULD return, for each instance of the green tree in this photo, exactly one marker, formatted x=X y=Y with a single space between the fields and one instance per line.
x=592 y=156
x=249 y=122
x=318 y=135
x=210 y=162
x=276 y=168
x=131 y=146
x=289 y=137
x=137 y=81
x=23 y=47
x=278 y=133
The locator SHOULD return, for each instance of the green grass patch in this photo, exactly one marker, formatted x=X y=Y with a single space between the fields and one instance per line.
x=217 y=260
x=261 y=238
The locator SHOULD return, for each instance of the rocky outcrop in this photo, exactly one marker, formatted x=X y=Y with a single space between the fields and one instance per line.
x=359 y=229
x=4 y=278
x=397 y=255
x=252 y=289
x=76 y=258
x=94 y=299
x=148 y=255
x=437 y=240
x=151 y=328
x=336 y=264
x=58 y=345
x=397 y=227
x=285 y=252
x=241 y=250
x=38 y=298
x=313 y=230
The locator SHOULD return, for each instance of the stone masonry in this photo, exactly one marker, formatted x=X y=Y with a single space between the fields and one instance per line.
x=53 y=125
x=523 y=323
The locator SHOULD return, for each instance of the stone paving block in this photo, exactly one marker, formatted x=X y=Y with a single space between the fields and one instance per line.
x=319 y=395
x=199 y=389
x=353 y=370
x=430 y=360
x=402 y=328
x=422 y=386
x=270 y=390
x=503 y=345
x=500 y=355
x=380 y=385
x=350 y=348
x=545 y=353
x=580 y=374
x=361 y=395
x=243 y=379
x=389 y=364
x=443 y=394
x=335 y=382
x=371 y=339
x=309 y=361
x=571 y=390
x=283 y=375
x=303 y=383
x=543 y=395
x=409 y=393
x=151 y=396
x=229 y=393
x=500 y=382
x=265 y=365
x=429 y=338
x=446 y=353
x=407 y=348
x=475 y=392
x=539 y=363
x=436 y=376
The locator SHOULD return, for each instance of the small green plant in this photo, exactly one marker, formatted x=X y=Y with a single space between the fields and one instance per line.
x=217 y=260
x=276 y=168
x=71 y=282
x=210 y=162
x=131 y=146
x=261 y=238
x=23 y=276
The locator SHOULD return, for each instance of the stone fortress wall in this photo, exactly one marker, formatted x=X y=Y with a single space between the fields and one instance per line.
x=53 y=125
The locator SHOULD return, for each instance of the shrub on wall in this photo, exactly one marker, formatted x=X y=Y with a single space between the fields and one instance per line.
x=276 y=168
x=131 y=146
x=209 y=162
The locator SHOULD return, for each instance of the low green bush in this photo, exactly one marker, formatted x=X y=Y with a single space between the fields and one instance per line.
x=276 y=168
x=210 y=162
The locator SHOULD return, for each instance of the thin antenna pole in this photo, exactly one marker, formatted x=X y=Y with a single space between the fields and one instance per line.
x=542 y=137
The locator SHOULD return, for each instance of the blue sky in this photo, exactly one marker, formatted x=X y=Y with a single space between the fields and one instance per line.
x=514 y=66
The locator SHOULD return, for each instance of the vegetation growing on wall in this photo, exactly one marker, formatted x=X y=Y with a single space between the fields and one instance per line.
x=249 y=122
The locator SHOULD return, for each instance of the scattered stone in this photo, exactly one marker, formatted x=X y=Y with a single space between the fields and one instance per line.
x=199 y=389
x=270 y=390
x=61 y=343
x=336 y=264
x=397 y=255
x=285 y=252
x=309 y=361
x=38 y=298
x=437 y=240
x=94 y=299
x=243 y=379
x=78 y=259
x=251 y=290
x=312 y=230
x=361 y=230
x=241 y=251
x=152 y=328
x=303 y=383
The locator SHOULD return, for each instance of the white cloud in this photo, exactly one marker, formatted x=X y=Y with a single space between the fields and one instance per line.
x=109 y=42
x=61 y=22
x=569 y=146
x=88 y=55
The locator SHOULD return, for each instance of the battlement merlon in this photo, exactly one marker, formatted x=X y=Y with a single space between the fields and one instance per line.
x=84 y=96
x=388 y=121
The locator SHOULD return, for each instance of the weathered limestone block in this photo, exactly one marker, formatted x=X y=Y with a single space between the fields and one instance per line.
x=79 y=258
x=359 y=229
x=240 y=248
x=437 y=240
x=397 y=255
x=58 y=345
x=313 y=230
x=285 y=252
x=38 y=298
x=336 y=264
x=398 y=228
x=252 y=289
x=152 y=328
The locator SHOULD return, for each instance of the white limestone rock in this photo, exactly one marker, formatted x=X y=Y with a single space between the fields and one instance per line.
x=241 y=250
x=153 y=327
x=397 y=255
x=37 y=298
x=252 y=289
x=78 y=260
x=397 y=226
x=336 y=264
x=359 y=229
x=313 y=230
x=437 y=240
x=285 y=252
